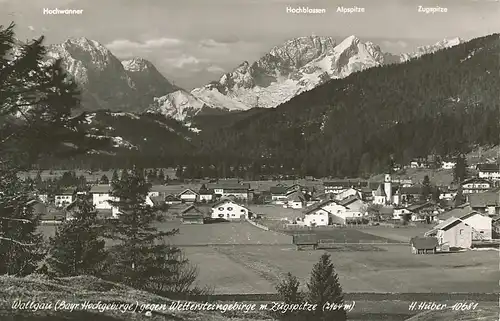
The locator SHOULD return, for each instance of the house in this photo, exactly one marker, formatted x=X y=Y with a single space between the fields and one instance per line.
x=452 y=233
x=475 y=185
x=155 y=201
x=44 y=198
x=402 y=213
x=341 y=185
x=172 y=199
x=325 y=212
x=355 y=208
x=347 y=193
x=295 y=199
x=447 y=193
x=489 y=171
x=448 y=164
x=64 y=198
x=410 y=194
x=188 y=196
x=229 y=210
x=101 y=195
x=424 y=245
x=192 y=215
x=427 y=211
x=278 y=194
x=487 y=202
x=206 y=195
x=231 y=189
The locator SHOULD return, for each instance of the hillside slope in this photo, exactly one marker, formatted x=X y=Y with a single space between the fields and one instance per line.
x=439 y=103
x=44 y=291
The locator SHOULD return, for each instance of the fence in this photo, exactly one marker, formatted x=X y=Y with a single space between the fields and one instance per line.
x=366 y=242
x=262 y=227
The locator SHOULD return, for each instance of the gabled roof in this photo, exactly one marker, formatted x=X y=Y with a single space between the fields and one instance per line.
x=419 y=206
x=157 y=200
x=191 y=210
x=456 y=212
x=229 y=185
x=186 y=191
x=478 y=200
x=296 y=196
x=411 y=190
x=424 y=243
x=100 y=189
x=380 y=191
x=475 y=179
x=319 y=205
x=488 y=167
x=449 y=223
x=278 y=190
x=172 y=197
x=206 y=192
x=470 y=214
x=349 y=200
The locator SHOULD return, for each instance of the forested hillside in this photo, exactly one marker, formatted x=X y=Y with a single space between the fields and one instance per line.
x=442 y=103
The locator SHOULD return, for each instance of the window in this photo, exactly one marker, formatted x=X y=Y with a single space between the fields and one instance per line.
x=229 y=208
x=481 y=232
x=233 y=215
x=221 y=208
x=221 y=215
x=461 y=231
x=242 y=211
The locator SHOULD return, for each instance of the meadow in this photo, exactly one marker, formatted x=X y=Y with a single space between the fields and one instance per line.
x=240 y=258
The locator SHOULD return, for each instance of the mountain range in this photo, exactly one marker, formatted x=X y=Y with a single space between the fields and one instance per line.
x=298 y=65
x=444 y=102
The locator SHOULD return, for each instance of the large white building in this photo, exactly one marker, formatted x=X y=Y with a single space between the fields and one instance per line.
x=229 y=210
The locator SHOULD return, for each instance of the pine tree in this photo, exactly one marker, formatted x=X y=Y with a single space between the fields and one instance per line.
x=104 y=179
x=115 y=176
x=324 y=288
x=37 y=102
x=289 y=293
x=426 y=188
x=460 y=169
x=161 y=176
x=78 y=246
x=139 y=242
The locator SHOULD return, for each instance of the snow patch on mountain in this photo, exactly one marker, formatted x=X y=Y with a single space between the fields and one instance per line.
x=443 y=44
x=286 y=71
x=178 y=105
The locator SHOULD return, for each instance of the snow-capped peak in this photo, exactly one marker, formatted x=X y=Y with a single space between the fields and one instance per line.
x=136 y=64
x=443 y=44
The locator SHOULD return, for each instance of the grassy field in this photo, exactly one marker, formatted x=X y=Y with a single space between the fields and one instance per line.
x=387 y=269
x=250 y=260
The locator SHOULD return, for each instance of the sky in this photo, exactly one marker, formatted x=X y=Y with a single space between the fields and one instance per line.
x=193 y=42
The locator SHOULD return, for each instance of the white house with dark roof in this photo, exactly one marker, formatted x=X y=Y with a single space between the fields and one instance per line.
x=64 y=198
x=323 y=212
x=475 y=185
x=232 y=189
x=229 y=210
x=489 y=171
x=101 y=195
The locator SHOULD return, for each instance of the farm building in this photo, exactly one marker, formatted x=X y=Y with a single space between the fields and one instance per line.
x=295 y=199
x=188 y=195
x=350 y=192
x=424 y=245
x=229 y=210
x=64 y=198
x=320 y=214
x=487 y=202
x=172 y=199
x=400 y=213
x=192 y=215
x=232 y=188
x=305 y=241
x=452 y=233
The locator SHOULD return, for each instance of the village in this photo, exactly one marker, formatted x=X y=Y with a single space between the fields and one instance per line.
x=307 y=205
